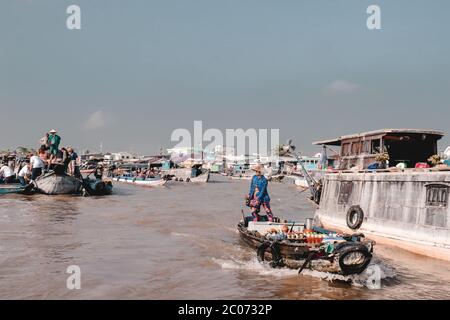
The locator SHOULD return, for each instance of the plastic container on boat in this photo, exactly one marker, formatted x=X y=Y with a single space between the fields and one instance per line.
x=309 y=223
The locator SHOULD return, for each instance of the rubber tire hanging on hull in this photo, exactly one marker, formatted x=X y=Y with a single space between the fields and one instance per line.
x=351 y=222
x=277 y=260
x=348 y=248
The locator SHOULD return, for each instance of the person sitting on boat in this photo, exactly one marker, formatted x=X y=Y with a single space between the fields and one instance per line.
x=259 y=195
x=7 y=174
x=53 y=141
x=37 y=165
x=24 y=174
x=151 y=174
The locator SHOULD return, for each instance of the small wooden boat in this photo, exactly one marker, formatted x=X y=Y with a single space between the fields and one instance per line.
x=53 y=183
x=276 y=178
x=11 y=188
x=141 y=182
x=349 y=254
x=301 y=182
x=96 y=187
x=202 y=178
x=240 y=177
x=193 y=174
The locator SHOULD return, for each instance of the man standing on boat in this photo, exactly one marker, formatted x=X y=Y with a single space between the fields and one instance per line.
x=259 y=195
x=53 y=141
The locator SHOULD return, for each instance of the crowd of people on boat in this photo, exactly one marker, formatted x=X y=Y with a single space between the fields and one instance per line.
x=138 y=173
x=49 y=156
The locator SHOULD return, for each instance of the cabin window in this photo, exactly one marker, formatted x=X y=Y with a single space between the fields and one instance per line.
x=345 y=191
x=376 y=146
x=437 y=195
x=346 y=149
x=355 y=148
x=366 y=147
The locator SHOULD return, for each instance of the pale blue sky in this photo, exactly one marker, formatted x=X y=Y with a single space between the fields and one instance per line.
x=140 y=69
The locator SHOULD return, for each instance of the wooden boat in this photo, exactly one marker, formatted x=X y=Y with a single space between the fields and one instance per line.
x=202 y=178
x=351 y=255
x=11 y=188
x=96 y=187
x=301 y=182
x=276 y=178
x=241 y=177
x=193 y=174
x=57 y=183
x=141 y=182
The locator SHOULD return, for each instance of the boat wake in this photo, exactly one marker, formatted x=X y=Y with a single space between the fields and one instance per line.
x=372 y=278
x=254 y=266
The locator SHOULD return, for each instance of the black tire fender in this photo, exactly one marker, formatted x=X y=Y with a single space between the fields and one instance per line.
x=352 y=222
x=277 y=260
x=348 y=249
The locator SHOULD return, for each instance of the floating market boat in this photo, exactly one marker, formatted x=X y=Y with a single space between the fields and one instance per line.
x=276 y=178
x=11 y=188
x=383 y=185
x=301 y=182
x=202 y=178
x=157 y=182
x=96 y=187
x=298 y=248
x=194 y=174
x=53 y=183
x=241 y=177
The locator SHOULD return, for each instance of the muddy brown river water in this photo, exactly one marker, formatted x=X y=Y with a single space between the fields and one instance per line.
x=176 y=242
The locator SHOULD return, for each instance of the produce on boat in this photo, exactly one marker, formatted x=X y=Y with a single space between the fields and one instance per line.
x=293 y=245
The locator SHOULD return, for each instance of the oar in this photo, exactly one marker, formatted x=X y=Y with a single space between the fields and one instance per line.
x=292 y=227
x=308 y=259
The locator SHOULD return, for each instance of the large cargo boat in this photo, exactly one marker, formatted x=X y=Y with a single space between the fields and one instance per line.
x=404 y=202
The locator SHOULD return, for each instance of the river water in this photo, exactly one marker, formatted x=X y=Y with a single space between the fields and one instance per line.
x=177 y=242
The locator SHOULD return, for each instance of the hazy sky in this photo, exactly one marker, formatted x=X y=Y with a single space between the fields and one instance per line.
x=137 y=70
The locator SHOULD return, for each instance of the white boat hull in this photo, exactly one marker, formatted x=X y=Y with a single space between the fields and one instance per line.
x=433 y=250
x=203 y=178
x=143 y=183
x=395 y=208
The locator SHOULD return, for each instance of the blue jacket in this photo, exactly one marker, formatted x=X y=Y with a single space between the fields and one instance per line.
x=260 y=183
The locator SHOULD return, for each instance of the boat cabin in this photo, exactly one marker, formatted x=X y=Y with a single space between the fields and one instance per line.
x=408 y=146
